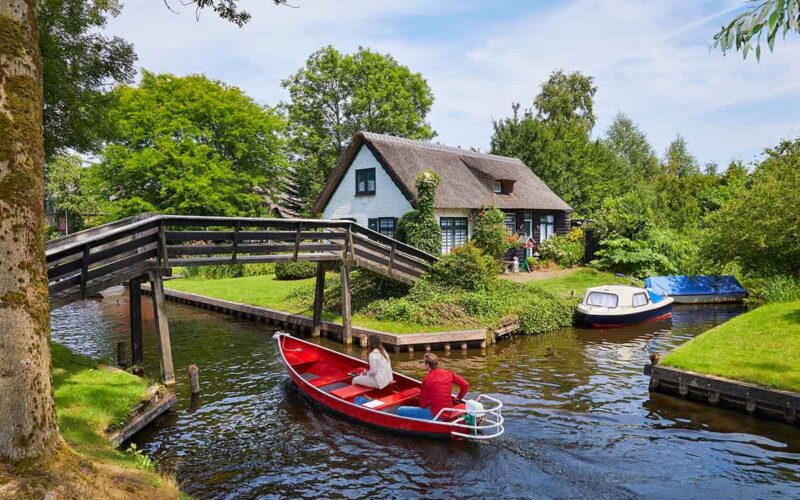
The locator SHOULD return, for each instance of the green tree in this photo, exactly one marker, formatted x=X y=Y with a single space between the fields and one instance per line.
x=69 y=187
x=489 y=232
x=418 y=227
x=562 y=153
x=630 y=144
x=763 y=18
x=80 y=65
x=757 y=229
x=567 y=98
x=336 y=95
x=190 y=145
x=678 y=161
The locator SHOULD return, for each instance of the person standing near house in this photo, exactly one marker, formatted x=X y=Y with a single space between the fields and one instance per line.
x=436 y=391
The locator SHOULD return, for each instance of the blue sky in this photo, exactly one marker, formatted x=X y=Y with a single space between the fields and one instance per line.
x=650 y=60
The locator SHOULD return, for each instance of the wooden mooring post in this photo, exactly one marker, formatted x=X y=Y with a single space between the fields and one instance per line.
x=135 y=304
x=319 y=293
x=347 y=326
x=162 y=329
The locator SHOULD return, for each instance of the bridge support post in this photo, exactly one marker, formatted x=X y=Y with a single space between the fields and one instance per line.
x=135 y=303
x=162 y=329
x=347 y=327
x=319 y=291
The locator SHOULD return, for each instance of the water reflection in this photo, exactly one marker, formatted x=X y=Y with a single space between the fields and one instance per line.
x=581 y=422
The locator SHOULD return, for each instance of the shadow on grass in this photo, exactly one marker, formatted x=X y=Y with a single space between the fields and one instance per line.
x=793 y=317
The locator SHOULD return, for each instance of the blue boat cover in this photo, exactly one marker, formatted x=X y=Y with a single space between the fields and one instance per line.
x=675 y=286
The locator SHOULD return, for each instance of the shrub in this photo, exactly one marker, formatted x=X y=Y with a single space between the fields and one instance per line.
x=295 y=270
x=635 y=258
x=775 y=289
x=466 y=267
x=227 y=271
x=565 y=250
x=418 y=227
x=489 y=232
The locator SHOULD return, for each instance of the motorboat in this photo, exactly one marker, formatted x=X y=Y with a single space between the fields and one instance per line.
x=325 y=376
x=615 y=306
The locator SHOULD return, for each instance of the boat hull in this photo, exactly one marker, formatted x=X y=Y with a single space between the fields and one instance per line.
x=709 y=299
x=599 y=320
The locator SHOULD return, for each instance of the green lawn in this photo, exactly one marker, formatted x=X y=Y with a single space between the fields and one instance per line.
x=266 y=291
x=761 y=347
x=578 y=280
x=89 y=398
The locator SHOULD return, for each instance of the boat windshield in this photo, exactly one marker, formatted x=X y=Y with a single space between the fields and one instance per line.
x=602 y=299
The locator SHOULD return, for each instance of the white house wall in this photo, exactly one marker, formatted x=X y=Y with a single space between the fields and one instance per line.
x=388 y=200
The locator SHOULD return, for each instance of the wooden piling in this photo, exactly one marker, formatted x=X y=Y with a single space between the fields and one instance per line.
x=122 y=362
x=464 y=346
x=347 y=325
x=410 y=349
x=319 y=292
x=194 y=379
x=135 y=304
x=162 y=329
x=447 y=348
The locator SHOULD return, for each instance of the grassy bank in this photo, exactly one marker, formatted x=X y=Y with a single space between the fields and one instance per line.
x=89 y=398
x=287 y=296
x=578 y=281
x=760 y=347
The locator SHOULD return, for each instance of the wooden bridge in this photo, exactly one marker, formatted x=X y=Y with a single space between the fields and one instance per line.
x=145 y=247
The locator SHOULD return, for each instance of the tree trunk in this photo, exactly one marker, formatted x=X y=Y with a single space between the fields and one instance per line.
x=27 y=414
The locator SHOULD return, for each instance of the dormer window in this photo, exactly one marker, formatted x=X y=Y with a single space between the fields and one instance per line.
x=504 y=186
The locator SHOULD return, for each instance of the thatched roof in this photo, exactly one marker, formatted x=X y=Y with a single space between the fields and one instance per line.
x=467 y=176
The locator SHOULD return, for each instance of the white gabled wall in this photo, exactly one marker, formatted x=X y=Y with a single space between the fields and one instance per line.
x=388 y=200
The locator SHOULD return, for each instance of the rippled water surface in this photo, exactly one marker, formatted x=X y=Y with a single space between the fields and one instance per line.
x=580 y=420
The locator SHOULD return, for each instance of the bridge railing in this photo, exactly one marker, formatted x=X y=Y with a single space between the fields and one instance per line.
x=95 y=259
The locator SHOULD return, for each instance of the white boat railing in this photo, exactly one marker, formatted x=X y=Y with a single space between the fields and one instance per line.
x=488 y=422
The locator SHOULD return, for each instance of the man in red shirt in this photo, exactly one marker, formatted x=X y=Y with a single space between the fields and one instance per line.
x=436 y=391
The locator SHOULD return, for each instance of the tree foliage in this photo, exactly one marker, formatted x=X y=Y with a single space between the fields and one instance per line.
x=418 y=227
x=336 y=95
x=567 y=98
x=190 y=145
x=758 y=229
x=68 y=186
x=678 y=161
x=489 y=232
x=763 y=18
x=80 y=66
x=630 y=144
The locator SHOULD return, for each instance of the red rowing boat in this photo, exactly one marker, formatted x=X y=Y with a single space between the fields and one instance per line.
x=326 y=376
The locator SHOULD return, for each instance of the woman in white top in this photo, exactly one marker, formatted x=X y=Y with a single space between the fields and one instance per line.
x=380 y=368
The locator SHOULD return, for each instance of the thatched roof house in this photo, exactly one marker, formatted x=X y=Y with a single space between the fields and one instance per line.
x=373 y=184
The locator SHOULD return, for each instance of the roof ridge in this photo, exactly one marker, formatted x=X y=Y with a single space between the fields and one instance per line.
x=438 y=147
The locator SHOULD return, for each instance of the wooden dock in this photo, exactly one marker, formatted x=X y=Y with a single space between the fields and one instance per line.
x=145 y=413
x=461 y=339
x=709 y=389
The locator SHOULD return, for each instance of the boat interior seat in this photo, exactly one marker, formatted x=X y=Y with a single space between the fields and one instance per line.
x=398 y=398
x=329 y=379
x=351 y=391
x=299 y=357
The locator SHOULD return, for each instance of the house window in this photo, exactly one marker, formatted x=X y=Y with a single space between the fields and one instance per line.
x=454 y=232
x=511 y=223
x=383 y=225
x=365 y=181
x=498 y=187
x=547 y=226
x=528 y=225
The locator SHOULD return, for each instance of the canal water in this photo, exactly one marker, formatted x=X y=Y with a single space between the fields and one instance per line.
x=580 y=420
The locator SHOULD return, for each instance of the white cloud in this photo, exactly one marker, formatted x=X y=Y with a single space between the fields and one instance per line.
x=650 y=60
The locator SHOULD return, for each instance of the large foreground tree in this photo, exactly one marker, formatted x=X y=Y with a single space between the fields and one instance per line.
x=27 y=414
x=336 y=95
